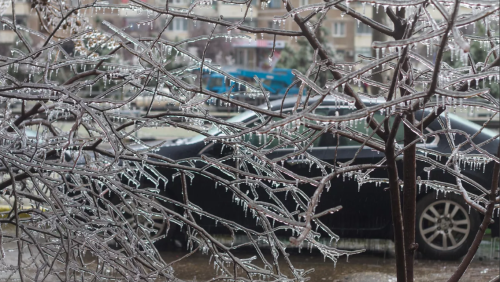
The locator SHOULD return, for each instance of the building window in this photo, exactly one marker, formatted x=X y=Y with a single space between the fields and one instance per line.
x=340 y=55
x=241 y=57
x=365 y=51
x=250 y=23
x=178 y=24
x=363 y=29
x=304 y=2
x=177 y=2
x=339 y=29
x=21 y=20
x=274 y=4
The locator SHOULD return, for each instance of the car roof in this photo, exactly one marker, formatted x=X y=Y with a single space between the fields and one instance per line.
x=328 y=101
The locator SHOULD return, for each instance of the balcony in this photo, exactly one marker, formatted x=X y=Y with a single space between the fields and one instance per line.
x=22 y=9
x=230 y=11
x=7 y=36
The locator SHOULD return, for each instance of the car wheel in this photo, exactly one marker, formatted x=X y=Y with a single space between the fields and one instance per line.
x=445 y=227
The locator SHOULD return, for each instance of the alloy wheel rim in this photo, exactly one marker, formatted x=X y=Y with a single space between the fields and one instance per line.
x=444 y=225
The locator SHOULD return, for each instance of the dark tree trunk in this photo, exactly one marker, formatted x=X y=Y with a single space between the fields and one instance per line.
x=397 y=219
x=409 y=198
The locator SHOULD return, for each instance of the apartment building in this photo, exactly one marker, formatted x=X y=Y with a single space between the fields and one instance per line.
x=7 y=36
x=344 y=36
x=363 y=35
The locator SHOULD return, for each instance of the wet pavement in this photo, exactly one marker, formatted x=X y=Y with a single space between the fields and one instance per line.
x=371 y=266
x=366 y=267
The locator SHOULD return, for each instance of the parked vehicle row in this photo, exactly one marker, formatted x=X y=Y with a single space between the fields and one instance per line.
x=445 y=224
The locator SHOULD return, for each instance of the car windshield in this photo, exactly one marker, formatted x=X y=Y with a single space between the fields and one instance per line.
x=249 y=114
x=214 y=82
x=476 y=127
x=215 y=131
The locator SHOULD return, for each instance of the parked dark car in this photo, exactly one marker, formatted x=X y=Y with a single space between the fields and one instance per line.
x=445 y=224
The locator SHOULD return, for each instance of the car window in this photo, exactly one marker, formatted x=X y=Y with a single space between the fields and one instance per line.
x=275 y=85
x=361 y=127
x=214 y=82
x=326 y=140
x=245 y=116
x=257 y=140
x=239 y=88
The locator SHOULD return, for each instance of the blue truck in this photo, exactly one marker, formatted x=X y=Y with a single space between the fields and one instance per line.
x=276 y=82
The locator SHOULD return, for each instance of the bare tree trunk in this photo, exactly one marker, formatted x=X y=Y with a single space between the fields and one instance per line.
x=409 y=198
x=397 y=219
x=409 y=180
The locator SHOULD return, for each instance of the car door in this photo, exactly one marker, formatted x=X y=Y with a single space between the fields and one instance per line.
x=276 y=149
x=365 y=208
x=299 y=166
x=215 y=198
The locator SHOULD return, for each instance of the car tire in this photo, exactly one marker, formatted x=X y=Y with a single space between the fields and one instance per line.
x=445 y=228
